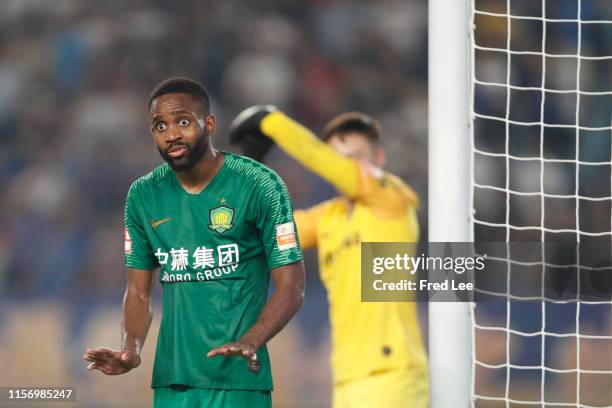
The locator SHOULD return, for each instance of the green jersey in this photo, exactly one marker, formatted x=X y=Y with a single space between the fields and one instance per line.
x=215 y=250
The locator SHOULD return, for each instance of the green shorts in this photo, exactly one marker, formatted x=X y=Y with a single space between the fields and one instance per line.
x=187 y=397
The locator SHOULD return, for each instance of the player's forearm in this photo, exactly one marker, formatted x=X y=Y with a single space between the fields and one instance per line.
x=137 y=316
x=278 y=311
x=305 y=147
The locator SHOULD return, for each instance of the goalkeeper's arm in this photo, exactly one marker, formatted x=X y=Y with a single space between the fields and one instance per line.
x=359 y=181
x=301 y=144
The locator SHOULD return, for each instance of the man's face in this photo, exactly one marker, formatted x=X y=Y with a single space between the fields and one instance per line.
x=358 y=147
x=180 y=129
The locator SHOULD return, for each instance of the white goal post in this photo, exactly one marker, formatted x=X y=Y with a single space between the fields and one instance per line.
x=449 y=206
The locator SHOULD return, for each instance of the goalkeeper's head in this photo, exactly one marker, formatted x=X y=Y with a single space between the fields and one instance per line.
x=355 y=135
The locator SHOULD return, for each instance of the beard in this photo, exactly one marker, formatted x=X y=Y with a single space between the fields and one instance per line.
x=191 y=157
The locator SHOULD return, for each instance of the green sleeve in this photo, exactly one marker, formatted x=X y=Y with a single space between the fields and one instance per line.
x=138 y=253
x=276 y=224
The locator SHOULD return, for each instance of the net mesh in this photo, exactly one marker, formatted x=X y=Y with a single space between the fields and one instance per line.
x=542 y=172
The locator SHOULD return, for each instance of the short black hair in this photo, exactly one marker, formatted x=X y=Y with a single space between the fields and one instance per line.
x=182 y=85
x=353 y=122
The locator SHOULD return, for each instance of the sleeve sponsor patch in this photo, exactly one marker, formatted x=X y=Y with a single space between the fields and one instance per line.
x=127 y=241
x=285 y=236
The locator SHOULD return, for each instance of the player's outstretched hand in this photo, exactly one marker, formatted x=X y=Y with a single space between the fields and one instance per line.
x=245 y=351
x=245 y=131
x=111 y=362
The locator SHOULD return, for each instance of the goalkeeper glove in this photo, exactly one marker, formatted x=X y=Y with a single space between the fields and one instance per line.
x=245 y=131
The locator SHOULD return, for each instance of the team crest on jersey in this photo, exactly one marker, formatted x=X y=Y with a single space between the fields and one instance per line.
x=221 y=219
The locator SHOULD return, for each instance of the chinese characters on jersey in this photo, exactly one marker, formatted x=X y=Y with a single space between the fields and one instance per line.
x=213 y=262
x=202 y=257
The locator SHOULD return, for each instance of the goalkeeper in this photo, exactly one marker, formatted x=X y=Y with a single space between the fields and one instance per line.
x=378 y=359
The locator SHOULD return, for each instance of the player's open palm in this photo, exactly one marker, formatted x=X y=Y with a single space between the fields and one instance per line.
x=111 y=362
x=238 y=349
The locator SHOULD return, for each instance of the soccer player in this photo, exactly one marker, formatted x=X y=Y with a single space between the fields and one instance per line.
x=218 y=225
x=378 y=359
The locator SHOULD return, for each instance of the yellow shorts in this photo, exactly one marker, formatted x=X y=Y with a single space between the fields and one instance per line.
x=399 y=388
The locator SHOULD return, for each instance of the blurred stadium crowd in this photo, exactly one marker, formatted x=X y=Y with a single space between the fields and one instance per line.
x=74 y=80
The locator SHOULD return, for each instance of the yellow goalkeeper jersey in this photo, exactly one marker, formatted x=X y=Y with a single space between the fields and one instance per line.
x=367 y=337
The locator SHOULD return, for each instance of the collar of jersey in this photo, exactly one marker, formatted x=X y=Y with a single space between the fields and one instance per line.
x=212 y=182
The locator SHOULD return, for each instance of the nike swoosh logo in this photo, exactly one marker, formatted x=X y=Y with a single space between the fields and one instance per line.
x=156 y=224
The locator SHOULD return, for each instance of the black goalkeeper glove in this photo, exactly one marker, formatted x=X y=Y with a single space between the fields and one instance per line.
x=245 y=131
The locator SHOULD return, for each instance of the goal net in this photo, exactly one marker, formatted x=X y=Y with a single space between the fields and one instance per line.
x=541 y=116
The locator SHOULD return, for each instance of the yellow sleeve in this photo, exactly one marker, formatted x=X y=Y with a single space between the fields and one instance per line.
x=363 y=182
x=387 y=195
x=307 y=221
x=299 y=143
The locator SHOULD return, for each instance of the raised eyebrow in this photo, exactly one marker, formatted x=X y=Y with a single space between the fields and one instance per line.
x=184 y=113
x=181 y=112
x=158 y=117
